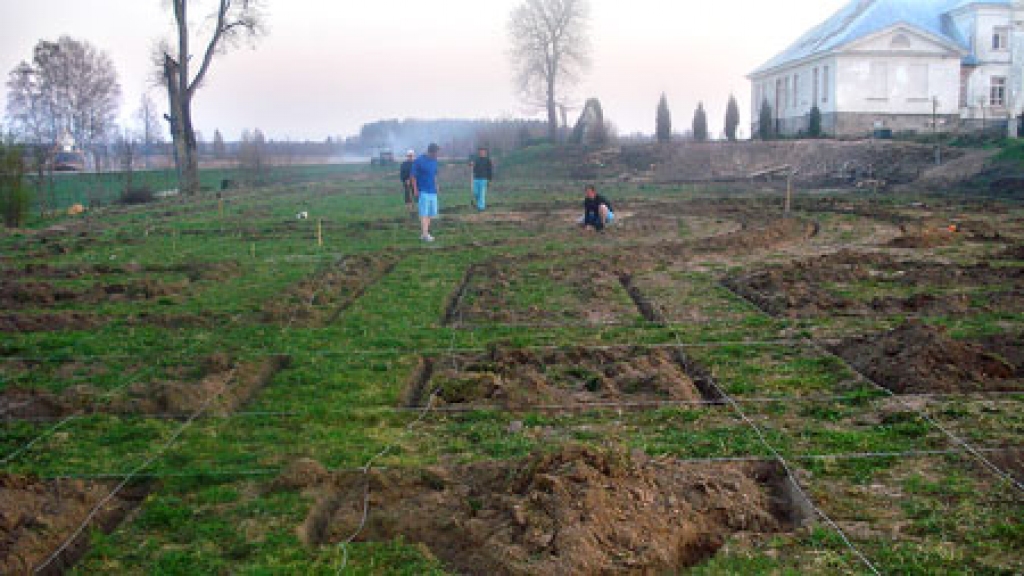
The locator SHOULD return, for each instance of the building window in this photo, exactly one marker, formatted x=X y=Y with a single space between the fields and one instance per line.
x=900 y=41
x=824 y=84
x=879 y=80
x=796 y=90
x=814 y=94
x=997 y=93
x=1001 y=39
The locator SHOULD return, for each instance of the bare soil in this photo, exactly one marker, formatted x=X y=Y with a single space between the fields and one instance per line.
x=54 y=322
x=37 y=516
x=593 y=293
x=796 y=289
x=35 y=294
x=576 y=511
x=920 y=359
x=320 y=298
x=520 y=379
x=230 y=384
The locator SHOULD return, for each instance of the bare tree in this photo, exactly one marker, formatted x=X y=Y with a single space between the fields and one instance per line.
x=127 y=149
x=151 y=131
x=233 y=20
x=220 y=150
x=550 y=51
x=252 y=154
x=70 y=87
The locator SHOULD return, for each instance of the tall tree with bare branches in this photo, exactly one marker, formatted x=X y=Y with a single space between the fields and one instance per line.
x=234 y=20
x=69 y=88
x=550 y=51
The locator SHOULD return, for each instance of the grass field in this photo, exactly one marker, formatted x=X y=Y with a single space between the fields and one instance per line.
x=214 y=387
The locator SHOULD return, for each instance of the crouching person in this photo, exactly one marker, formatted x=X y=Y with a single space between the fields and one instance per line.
x=597 y=210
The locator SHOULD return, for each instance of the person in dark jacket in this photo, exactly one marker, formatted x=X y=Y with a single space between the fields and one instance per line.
x=405 y=174
x=597 y=210
x=483 y=173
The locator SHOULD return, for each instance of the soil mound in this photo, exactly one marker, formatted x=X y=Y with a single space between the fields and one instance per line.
x=575 y=511
x=37 y=516
x=775 y=233
x=221 y=392
x=230 y=385
x=56 y=322
x=322 y=297
x=797 y=289
x=920 y=359
x=589 y=292
x=518 y=379
x=19 y=295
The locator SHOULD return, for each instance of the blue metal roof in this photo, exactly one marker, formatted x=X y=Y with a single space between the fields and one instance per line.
x=862 y=18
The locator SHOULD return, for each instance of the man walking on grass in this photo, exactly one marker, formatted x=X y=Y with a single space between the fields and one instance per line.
x=483 y=173
x=405 y=173
x=424 y=185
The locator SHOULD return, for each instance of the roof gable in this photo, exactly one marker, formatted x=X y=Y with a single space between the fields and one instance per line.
x=863 y=18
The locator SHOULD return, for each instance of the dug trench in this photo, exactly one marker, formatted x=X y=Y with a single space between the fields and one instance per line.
x=574 y=510
x=324 y=296
x=38 y=516
x=225 y=386
x=795 y=289
x=916 y=358
x=561 y=379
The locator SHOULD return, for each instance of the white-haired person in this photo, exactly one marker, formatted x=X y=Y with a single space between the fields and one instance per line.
x=405 y=174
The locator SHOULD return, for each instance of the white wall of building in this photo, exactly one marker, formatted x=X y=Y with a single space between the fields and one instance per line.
x=898 y=84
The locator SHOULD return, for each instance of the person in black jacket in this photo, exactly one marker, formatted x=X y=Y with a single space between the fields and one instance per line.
x=405 y=174
x=483 y=173
x=597 y=210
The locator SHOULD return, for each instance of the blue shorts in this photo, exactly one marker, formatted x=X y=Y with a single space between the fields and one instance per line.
x=428 y=205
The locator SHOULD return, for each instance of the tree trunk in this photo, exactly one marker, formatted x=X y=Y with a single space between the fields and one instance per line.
x=174 y=118
x=190 y=172
x=552 y=117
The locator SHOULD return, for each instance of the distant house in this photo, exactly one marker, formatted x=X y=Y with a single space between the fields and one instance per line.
x=900 y=65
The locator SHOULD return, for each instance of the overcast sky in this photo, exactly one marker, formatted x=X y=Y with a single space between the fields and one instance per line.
x=328 y=66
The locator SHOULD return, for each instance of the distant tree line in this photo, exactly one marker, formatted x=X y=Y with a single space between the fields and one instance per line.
x=456 y=137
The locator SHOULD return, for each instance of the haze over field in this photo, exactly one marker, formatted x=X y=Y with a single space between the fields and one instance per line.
x=327 y=67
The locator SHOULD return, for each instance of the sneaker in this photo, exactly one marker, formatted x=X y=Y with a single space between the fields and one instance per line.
x=427 y=238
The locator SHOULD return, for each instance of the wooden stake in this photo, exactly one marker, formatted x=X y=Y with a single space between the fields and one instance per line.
x=789 y=192
x=252 y=250
x=320 y=232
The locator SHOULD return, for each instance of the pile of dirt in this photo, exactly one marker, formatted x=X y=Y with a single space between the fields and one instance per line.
x=19 y=295
x=231 y=385
x=37 y=516
x=574 y=511
x=1009 y=347
x=799 y=288
x=201 y=271
x=1010 y=461
x=920 y=359
x=813 y=162
x=773 y=234
x=519 y=379
x=55 y=322
x=321 y=298
x=1014 y=252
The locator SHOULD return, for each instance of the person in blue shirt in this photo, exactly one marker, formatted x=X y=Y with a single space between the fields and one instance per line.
x=424 y=185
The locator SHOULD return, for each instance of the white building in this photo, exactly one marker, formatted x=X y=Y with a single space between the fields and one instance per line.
x=904 y=65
